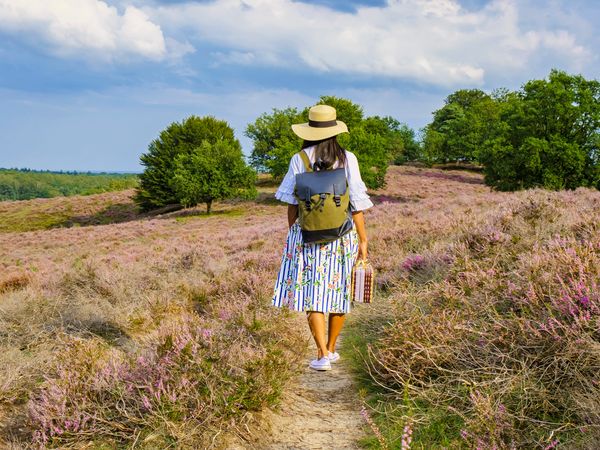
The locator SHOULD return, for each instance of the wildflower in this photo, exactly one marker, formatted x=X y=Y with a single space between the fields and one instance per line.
x=146 y=402
x=407 y=436
x=225 y=315
x=413 y=263
x=374 y=427
x=552 y=445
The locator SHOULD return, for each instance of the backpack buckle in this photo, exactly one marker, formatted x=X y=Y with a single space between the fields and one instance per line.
x=336 y=198
x=307 y=202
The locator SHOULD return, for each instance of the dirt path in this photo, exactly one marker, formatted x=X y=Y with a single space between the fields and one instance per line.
x=320 y=411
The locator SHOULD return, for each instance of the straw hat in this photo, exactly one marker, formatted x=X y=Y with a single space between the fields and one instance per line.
x=321 y=124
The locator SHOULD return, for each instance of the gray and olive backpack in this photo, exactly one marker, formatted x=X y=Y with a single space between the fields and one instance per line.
x=323 y=203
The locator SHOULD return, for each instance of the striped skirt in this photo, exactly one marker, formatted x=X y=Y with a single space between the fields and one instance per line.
x=316 y=277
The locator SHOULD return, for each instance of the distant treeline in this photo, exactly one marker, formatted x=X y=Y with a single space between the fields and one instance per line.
x=25 y=184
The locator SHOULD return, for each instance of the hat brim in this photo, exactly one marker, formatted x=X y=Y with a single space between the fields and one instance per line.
x=308 y=133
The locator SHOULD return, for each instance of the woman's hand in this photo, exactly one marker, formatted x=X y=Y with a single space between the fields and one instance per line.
x=362 y=250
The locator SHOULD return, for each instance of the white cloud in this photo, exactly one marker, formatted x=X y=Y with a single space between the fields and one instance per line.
x=424 y=41
x=431 y=41
x=86 y=27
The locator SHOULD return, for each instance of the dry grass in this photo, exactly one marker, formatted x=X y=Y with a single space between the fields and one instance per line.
x=80 y=306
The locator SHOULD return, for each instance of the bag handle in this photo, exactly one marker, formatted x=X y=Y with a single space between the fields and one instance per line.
x=306 y=161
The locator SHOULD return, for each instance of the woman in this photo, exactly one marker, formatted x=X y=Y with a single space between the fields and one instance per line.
x=316 y=277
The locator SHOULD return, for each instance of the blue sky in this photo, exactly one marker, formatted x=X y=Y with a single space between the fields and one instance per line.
x=87 y=84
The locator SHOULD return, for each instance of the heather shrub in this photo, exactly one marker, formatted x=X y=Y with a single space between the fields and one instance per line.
x=190 y=376
x=155 y=333
x=507 y=342
x=425 y=268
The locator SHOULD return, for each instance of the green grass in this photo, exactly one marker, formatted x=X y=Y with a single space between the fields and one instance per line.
x=435 y=427
x=28 y=218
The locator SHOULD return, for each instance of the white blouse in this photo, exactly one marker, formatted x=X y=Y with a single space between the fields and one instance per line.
x=359 y=200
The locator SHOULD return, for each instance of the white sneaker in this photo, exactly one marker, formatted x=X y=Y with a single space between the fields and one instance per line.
x=320 y=364
x=333 y=357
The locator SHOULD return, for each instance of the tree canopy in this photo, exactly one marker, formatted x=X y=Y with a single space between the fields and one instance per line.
x=195 y=140
x=376 y=141
x=546 y=134
x=460 y=127
x=212 y=172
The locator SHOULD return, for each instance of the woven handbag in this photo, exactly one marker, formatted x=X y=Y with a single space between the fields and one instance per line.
x=363 y=281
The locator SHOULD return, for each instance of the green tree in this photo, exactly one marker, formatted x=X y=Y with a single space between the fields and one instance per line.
x=372 y=155
x=412 y=148
x=368 y=138
x=509 y=168
x=180 y=138
x=212 y=172
x=433 y=146
x=549 y=133
x=346 y=110
x=400 y=138
x=376 y=141
x=461 y=126
x=273 y=138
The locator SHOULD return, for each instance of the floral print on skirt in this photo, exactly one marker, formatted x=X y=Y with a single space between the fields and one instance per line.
x=316 y=277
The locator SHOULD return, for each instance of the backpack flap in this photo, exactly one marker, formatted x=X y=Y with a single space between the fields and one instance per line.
x=323 y=182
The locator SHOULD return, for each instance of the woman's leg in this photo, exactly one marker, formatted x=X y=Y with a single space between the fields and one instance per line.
x=336 y=322
x=316 y=322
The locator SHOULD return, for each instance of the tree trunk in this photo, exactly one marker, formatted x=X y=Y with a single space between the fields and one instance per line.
x=208 y=205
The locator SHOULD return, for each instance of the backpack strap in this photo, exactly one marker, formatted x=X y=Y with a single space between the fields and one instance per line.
x=306 y=161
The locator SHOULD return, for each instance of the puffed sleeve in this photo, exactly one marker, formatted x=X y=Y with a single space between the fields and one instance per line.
x=285 y=191
x=359 y=199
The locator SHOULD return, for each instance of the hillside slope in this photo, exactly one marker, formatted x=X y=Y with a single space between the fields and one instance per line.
x=129 y=312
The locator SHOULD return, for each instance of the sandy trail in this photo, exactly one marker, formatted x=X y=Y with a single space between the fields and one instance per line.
x=321 y=410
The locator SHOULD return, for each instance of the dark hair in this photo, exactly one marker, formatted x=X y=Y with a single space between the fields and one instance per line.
x=327 y=151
